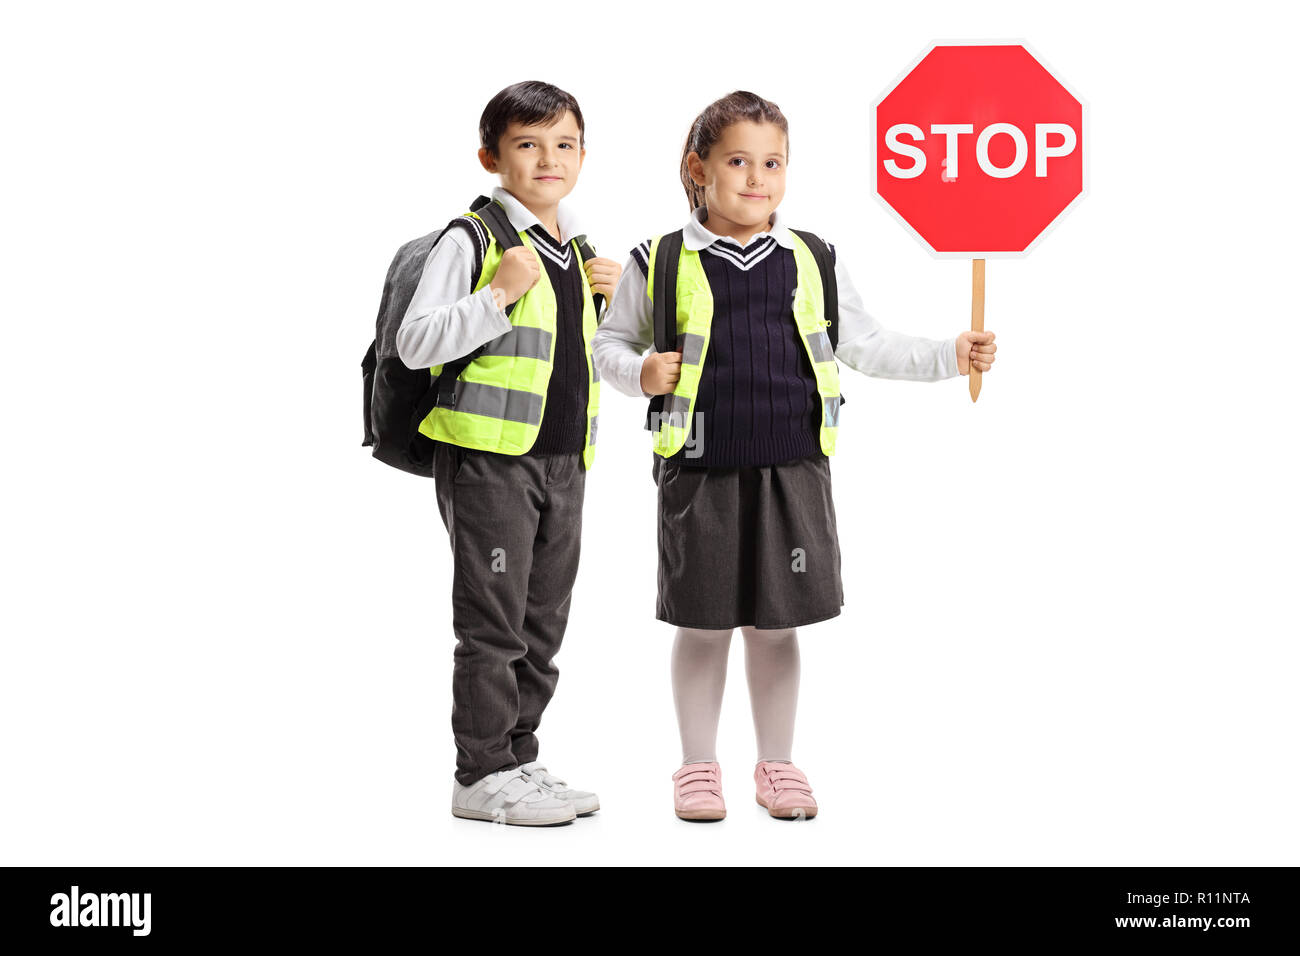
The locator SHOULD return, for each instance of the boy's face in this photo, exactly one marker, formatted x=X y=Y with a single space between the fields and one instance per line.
x=538 y=165
x=744 y=174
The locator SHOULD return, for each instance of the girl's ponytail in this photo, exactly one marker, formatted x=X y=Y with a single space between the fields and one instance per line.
x=714 y=120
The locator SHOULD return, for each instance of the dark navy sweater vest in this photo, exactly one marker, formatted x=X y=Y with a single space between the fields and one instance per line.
x=757 y=401
x=564 y=418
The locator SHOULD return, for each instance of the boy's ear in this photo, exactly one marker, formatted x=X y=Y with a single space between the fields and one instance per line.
x=487 y=160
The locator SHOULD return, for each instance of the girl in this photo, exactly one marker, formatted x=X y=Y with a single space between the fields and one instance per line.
x=748 y=416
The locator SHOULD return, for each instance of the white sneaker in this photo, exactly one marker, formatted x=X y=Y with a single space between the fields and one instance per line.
x=509 y=796
x=583 y=802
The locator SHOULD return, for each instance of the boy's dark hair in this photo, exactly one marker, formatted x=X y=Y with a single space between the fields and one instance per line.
x=710 y=125
x=529 y=103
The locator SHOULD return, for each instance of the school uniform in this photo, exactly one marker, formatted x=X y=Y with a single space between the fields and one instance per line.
x=747 y=533
x=514 y=521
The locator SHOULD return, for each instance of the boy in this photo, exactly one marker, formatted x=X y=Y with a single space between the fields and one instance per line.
x=513 y=447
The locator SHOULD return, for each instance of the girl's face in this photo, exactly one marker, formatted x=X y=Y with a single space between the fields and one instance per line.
x=538 y=165
x=744 y=174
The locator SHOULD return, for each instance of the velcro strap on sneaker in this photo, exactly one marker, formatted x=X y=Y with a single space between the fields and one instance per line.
x=697 y=775
x=546 y=778
x=505 y=780
x=702 y=780
x=699 y=786
x=788 y=780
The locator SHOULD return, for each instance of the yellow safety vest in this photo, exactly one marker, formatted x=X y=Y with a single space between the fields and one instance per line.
x=501 y=395
x=694 y=318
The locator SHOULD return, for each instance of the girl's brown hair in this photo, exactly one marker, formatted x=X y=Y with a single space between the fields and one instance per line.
x=710 y=125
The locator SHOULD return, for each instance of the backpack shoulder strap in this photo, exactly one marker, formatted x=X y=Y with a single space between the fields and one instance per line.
x=585 y=254
x=830 y=290
x=662 y=284
x=443 y=392
x=664 y=291
x=494 y=217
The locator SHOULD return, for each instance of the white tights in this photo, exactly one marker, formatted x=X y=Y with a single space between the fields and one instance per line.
x=699 y=669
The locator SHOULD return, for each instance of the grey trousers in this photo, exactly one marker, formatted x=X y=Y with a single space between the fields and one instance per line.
x=515 y=525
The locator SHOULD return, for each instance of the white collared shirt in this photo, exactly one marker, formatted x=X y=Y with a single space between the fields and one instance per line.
x=696 y=237
x=628 y=328
x=521 y=217
x=446 y=318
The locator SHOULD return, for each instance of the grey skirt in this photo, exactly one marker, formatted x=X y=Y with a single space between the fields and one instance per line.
x=752 y=546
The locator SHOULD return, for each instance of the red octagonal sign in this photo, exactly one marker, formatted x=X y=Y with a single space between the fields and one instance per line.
x=979 y=148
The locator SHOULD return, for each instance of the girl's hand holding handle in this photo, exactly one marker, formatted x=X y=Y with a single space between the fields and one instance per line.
x=518 y=272
x=603 y=275
x=975 y=348
x=660 y=372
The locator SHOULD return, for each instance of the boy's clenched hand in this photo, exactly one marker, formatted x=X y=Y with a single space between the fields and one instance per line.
x=660 y=372
x=603 y=275
x=975 y=348
x=518 y=272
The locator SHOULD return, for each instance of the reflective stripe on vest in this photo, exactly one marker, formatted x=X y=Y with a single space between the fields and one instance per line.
x=501 y=395
x=522 y=340
x=694 y=320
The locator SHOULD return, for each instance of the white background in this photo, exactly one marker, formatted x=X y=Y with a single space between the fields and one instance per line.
x=1070 y=630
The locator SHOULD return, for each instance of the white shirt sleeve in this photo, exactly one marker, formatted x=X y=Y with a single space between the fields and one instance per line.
x=872 y=350
x=446 y=319
x=626 y=332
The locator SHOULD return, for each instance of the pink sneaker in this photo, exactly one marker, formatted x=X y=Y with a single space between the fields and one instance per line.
x=697 y=792
x=783 y=790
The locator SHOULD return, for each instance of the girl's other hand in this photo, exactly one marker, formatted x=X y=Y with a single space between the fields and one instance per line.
x=973 y=348
x=660 y=372
x=603 y=274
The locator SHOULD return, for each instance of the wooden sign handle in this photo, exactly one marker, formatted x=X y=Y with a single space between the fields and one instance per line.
x=976 y=319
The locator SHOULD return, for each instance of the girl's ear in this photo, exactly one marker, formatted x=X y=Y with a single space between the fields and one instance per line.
x=695 y=166
x=487 y=160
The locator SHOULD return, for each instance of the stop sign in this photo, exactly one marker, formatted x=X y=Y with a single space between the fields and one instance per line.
x=979 y=148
